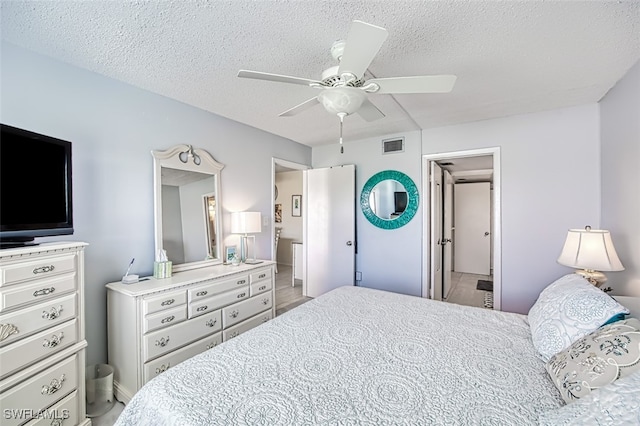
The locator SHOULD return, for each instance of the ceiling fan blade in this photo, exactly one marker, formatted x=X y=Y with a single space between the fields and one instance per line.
x=277 y=77
x=362 y=44
x=369 y=111
x=299 y=108
x=417 y=84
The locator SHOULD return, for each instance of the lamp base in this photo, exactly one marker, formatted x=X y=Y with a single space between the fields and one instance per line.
x=596 y=278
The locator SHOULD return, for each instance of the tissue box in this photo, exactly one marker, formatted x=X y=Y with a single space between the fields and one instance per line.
x=162 y=269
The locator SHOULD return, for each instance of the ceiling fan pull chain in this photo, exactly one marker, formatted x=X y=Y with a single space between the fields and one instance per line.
x=341 y=116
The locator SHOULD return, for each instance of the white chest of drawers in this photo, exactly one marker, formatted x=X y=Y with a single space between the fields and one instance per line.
x=155 y=324
x=42 y=340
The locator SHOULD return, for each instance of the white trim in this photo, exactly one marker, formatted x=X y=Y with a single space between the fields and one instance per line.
x=497 y=218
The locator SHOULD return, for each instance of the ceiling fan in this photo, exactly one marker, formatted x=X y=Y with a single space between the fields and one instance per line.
x=343 y=88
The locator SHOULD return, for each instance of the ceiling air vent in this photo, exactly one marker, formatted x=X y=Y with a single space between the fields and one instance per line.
x=392 y=145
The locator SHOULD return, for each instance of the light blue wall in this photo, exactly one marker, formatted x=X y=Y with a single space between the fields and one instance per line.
x=620 y=134
x=113 y=127
x=388 y=259
x=550 y=173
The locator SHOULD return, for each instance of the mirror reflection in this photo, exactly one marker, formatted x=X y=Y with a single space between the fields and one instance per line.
x=188 y=223
x=388 y=199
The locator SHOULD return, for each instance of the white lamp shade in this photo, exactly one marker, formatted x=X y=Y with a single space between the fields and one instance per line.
x=342 y=99
x=246 y=222
x=590 y=249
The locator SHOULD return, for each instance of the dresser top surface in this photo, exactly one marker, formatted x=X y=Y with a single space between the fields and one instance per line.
x=41 y=248
x=149 y=285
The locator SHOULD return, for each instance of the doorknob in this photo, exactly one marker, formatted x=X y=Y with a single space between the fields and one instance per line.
x=445 y=241
x=486 y=234
x=349 y=243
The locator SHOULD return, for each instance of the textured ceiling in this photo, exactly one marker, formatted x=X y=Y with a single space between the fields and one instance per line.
x=510 y=57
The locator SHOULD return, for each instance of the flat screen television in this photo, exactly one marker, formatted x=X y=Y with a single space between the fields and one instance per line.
x=400 y=201
x=35 y=187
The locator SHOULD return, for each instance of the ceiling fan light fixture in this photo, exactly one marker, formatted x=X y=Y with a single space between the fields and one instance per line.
x=345 y=100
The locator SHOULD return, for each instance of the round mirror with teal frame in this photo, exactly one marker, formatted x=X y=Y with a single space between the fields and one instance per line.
x=412 y=199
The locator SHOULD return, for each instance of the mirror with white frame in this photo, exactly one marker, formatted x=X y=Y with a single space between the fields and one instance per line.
x=188 y=223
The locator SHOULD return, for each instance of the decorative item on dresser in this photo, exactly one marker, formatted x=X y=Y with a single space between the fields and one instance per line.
x=155 y=324
x=42 y=342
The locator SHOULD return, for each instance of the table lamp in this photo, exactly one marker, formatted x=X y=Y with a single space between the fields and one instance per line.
x=246 y=223
x=592 y=251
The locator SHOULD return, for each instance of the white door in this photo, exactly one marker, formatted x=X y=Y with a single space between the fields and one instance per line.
x=447 y=234
x=472 y=228
x=435 y=192
x=329 y=243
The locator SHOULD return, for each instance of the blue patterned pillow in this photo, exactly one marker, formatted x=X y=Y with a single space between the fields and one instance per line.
x=615 y=404
x=568 y=309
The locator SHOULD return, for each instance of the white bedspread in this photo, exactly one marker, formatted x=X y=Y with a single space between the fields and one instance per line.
x=359 y=356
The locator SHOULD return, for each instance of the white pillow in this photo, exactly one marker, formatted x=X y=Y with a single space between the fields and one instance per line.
x=615 y=404
x=568 y=309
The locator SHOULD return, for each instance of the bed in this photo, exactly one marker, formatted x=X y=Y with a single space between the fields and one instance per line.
x=360 y=356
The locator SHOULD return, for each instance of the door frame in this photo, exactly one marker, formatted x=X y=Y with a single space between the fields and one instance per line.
x=293 y=166
x=496 y=221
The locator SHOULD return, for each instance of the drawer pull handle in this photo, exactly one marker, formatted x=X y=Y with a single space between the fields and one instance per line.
x=202 y=293
x=167 y=302
x=55 y=341
x=262 y=276
x=44 y=269
x=212 y=345
x=211 y=322
x=241 y=295
x=234 y=334
x=162 y=342
x=44 y=291
x=53 y=387
x=265 y=301
x=234 y=313
x=168 y=319
x=163 y=368
x=7 y=330
x=202 y=308
x=265 y=319
x=240 y=282
x=53 y=313
x=262 y=287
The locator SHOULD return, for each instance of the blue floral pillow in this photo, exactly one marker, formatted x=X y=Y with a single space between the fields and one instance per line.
x=568 y=309
x=612 y=405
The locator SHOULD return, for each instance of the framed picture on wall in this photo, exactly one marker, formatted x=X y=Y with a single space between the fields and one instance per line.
x=278 y=213
x=296 y=205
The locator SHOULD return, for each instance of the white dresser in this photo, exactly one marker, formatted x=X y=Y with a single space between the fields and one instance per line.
x=155 y=324
x=42 y=343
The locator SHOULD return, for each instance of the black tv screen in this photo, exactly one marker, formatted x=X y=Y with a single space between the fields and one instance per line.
x=35 y=186
x=400 y=201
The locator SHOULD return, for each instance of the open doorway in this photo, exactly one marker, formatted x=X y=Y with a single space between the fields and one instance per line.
x=287 y=233
x=462 y=228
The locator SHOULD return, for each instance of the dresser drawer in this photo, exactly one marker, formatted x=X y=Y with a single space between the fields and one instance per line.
x=168 y=339
x=164 y=318
x=166 y=300
x=12 y=273
x=260 y=287
x=232 y=315
x=216 y=302
x=217 y=286
x=44 y=289
x=247 y=325
x=47 y=342
x=263 y=274
x=64 y=413
x=41 y=390
x=35 y=318
x=162 y=364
